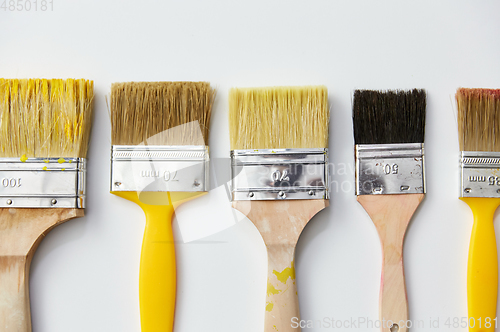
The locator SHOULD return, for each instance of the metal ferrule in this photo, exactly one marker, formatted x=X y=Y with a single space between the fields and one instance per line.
x=277 y=174
x=479 y=174
x=390 y=169
x=42 y=183
x=159 y=168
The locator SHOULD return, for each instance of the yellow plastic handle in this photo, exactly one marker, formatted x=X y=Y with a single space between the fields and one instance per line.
x=157 y=275
x=482 y=270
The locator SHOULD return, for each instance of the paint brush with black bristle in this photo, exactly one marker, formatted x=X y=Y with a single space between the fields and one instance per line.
x=478 y=126
x=389 y=137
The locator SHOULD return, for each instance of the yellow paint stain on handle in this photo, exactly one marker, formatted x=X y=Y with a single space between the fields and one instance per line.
x=61 y=160
x=269 y=306
x=274 y=327
x=288 y=272
x=271 y=290
x=24 y=158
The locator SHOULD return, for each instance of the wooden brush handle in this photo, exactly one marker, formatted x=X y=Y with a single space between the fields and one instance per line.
x=393 y=298
x=280 y=224
x=157 y=275
x=391 y=215
x=21 y=230
x=482 y=270
x=282 y=301
x=14 y=294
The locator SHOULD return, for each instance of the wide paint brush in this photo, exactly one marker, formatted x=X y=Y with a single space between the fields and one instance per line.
x=279 y=141
x=159 y=160
x=44 y=134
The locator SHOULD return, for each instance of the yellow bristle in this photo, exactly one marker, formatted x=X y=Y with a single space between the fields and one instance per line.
x=478 y=119
x=39 y=117
x=161 y=113
x=278 y=117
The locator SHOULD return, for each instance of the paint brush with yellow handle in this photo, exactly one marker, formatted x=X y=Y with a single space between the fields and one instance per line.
x=44 y=134
x=479 y=138
x=279 y=141
x=159 y=160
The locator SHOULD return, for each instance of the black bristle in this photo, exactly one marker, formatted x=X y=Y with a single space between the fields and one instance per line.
x=386 y=117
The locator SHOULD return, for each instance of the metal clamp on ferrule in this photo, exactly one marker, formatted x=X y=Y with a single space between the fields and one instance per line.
x=274 y=174
x=42 y=183
x=159 y=168
x=479 y=174
x=390 y=169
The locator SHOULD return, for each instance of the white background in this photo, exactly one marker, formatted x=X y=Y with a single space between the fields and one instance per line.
x=84 y=276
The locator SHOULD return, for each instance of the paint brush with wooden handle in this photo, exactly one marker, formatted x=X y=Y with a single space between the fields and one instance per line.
x=389 y=137
x=478 y=124
x=279 y=140
x=159 y=160
x=44 y=133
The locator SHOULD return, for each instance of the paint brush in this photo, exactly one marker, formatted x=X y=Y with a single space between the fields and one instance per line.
x=44 y=134
x=279 y=141
x=159 y=160
x=389 y=137
x=478 y=124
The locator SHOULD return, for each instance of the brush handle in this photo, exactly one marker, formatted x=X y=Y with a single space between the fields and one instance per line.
x=14 y=294
x=157 y=272
x=393 y=298
x=280 y=223
x=282 y=301
x=157 y=275
x=391 y=215
x=21 y=231
x=482 y=270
